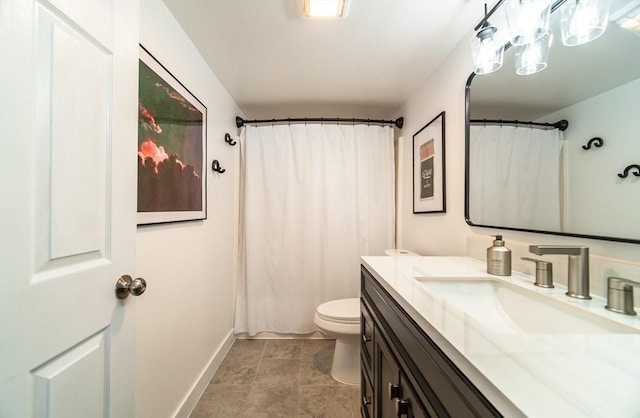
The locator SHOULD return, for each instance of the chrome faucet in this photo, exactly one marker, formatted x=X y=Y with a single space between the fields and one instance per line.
x=578 y=283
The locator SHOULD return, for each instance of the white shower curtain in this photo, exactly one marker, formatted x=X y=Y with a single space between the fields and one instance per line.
x=315 y=198
x=515 y=176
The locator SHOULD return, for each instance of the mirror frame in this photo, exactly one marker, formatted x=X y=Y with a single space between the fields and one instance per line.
x=467 y=130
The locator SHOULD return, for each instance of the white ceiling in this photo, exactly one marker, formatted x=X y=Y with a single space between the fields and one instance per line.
x=268 y=57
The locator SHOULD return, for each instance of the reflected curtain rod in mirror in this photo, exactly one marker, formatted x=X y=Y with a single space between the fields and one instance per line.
x=561 y=124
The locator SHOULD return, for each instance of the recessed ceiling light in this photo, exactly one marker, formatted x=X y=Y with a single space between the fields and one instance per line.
x=324 y=8
x=628 y=16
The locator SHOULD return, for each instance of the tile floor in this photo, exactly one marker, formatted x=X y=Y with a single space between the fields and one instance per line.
x=278 y=379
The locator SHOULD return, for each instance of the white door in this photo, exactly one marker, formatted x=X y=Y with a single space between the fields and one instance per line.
x=68 y=78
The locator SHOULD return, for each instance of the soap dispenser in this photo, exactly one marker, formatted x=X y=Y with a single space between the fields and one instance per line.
x=498 y=258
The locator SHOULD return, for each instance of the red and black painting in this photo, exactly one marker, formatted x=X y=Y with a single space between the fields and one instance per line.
x=171 y=147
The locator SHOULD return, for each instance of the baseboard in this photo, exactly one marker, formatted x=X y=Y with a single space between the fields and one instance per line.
x=280 y=336
x=190 y=401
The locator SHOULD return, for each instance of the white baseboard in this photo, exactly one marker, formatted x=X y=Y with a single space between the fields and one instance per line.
x=281 y=336
x=192 y=398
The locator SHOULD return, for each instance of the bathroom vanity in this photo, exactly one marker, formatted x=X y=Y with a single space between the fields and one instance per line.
x=441 y=337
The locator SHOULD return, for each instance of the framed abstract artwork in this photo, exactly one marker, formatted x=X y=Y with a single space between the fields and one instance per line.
x=428 y=167
x=171 y=147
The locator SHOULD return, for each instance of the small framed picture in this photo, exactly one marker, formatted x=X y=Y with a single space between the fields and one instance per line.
x=428 y=167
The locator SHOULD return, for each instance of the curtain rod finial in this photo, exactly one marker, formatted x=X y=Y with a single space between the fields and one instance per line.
x=239 y=122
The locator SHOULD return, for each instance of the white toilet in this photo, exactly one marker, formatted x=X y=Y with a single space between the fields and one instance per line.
x=340 y=319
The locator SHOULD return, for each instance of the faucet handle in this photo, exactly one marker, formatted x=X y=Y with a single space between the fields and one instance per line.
x=620 y=295
x=544 y=272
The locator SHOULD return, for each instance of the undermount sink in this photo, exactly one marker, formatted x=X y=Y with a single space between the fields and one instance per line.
x=506 y=308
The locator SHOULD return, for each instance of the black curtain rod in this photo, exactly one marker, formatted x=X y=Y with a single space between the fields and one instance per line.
x=561 y=124
x=398 y=123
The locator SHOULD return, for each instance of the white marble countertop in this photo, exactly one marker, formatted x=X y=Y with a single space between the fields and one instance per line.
x=534 y=374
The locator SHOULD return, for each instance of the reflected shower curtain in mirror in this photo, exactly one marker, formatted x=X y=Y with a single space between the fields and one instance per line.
x=314 y=198
x=516 y=180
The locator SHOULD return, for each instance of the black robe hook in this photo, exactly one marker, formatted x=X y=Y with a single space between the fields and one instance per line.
x=215 y=166
x=229 y=140
x=625 y=173
x=597 y=142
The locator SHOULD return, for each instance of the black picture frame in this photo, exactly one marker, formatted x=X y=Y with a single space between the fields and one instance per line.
x=429 y=183
x=172 y=150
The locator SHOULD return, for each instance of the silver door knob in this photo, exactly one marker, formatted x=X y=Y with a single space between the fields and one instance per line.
x=125 y=286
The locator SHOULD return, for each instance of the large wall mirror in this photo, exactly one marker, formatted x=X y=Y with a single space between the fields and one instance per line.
x=560 y=187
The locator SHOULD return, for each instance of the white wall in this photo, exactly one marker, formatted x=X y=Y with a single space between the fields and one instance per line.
x=594 y=189
x=440 y=234
x=185 y=319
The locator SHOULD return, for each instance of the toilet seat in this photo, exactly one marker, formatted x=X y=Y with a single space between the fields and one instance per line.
x=342 y=311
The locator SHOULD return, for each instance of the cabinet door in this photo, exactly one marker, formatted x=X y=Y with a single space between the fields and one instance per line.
x=408 y=406
x=395 y=395
x=387 y=381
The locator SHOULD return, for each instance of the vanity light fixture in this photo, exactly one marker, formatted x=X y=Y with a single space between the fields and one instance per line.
x=487 y=50
x=324 y=8
x=582 y=21
x=528 y=20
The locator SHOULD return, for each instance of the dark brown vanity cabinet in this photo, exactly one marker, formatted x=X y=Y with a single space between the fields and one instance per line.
x=404 y=373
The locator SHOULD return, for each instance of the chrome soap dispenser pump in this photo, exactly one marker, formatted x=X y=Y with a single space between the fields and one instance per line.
x=498 y=258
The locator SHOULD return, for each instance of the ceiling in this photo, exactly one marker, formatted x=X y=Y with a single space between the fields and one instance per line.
x=269 y=58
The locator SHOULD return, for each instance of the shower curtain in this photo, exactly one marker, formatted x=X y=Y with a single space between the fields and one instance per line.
x=314 y=199
x=515 y=176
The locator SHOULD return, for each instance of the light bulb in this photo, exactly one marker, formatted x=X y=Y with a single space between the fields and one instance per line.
x=582 y=21
x=532 y=58
x=487 y=51
x=528 y=20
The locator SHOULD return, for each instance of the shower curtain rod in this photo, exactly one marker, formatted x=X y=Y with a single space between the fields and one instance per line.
x=397 y=123
x=561 y=124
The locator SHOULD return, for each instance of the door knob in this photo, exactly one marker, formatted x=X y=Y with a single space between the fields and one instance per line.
x=125 y=286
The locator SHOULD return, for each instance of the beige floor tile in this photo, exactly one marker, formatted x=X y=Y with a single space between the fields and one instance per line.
x=272 y=401
x=246 y=351
x=278 y=379
x=317 y=372
x=278 y=372
x=220 y=401
x=235 y=373
x=312 y=347
x=283 y=349
x=326 y=402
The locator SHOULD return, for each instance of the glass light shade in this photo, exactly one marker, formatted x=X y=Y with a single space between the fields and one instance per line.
x=582 y=21
x=532 y=58
x=487 y=51
x=528 y=20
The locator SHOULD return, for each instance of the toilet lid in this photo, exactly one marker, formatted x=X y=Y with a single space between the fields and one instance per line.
x=341 y=309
